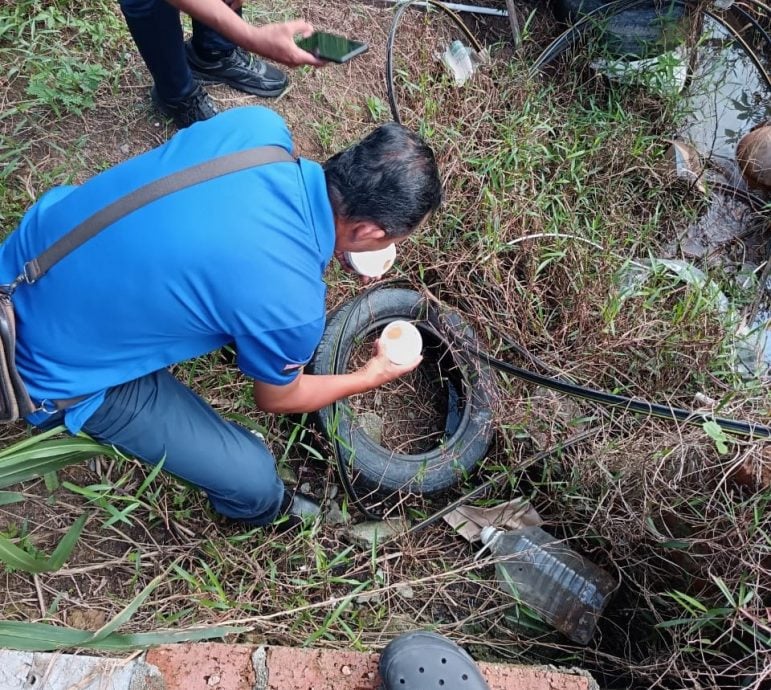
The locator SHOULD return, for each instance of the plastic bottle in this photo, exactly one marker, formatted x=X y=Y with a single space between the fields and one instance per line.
x=566 y=590
x=461 y=60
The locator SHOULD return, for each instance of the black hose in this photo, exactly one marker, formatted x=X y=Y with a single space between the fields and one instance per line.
x=752 y=430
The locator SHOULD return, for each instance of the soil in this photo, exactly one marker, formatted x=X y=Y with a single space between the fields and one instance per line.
x=412 y=409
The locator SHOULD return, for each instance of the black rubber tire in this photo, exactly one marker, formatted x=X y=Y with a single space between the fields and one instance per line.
x=640 y=33
x=469 y=433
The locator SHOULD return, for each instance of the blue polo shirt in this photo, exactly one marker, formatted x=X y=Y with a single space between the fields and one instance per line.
x=239 y=258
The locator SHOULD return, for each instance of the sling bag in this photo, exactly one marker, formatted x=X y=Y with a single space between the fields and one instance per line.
x=15 y=401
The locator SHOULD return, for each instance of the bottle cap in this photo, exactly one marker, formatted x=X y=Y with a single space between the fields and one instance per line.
x=401 y=342
x=489 y=534
x=372 y=264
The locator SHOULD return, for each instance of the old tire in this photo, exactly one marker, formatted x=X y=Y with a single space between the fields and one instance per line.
x=468 y=428
x=644 y=32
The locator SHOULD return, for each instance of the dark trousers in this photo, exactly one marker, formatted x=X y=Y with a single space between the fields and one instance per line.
x=156 y=28
x=156 y=417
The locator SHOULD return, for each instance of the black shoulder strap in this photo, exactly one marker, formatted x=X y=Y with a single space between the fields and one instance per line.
x=94 y=224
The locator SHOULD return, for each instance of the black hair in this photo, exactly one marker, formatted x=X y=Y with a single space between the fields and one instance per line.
x=389 y=178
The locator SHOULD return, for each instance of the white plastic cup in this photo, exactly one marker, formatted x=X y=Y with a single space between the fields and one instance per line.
x=401 y=342
x=372 y=264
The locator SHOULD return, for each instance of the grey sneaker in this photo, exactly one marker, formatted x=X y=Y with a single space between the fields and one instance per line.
x=193 y=108
x=241 y=70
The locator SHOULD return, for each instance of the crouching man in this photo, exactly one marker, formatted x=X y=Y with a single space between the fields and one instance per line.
x=237 y=259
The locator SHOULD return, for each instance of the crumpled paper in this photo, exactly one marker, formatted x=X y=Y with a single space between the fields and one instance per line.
x=468 y=521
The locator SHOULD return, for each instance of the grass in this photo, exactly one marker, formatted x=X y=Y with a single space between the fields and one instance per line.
x=554 y=188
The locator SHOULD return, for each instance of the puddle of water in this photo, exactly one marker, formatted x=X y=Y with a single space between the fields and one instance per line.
x=727 y=97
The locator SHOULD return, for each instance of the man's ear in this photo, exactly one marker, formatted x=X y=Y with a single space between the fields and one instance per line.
x=365 y=230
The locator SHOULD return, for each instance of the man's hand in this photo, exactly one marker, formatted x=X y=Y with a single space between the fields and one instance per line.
x=277 y=42
x=380 y=369
x=273 y=41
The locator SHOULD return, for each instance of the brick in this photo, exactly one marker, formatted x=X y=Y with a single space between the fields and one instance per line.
x=316 y=669
x=204 y=666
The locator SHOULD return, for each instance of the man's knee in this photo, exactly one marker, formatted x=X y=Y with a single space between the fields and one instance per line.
x=249 y=487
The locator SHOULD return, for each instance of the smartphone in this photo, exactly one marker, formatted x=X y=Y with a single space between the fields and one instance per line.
x=331 y=47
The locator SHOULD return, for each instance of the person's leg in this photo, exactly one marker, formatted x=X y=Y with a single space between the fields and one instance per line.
x=208 y=44
x=157 y=417
x=213 y=58
x=156 y=29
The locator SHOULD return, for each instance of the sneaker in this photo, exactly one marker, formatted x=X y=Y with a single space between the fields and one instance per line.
x=241 y=70
x=193 y=108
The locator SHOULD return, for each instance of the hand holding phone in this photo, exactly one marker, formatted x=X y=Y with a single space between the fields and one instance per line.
x=331 y=47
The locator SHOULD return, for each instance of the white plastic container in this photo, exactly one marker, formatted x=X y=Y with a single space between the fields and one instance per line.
x=372 y=264
x=401 y=342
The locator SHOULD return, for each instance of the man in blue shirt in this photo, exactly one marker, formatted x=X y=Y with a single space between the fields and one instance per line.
x=239 y=258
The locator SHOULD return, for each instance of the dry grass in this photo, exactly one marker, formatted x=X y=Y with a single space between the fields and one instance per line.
x=537 y=177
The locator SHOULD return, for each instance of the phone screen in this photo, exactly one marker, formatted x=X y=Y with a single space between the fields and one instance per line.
x=331 y=47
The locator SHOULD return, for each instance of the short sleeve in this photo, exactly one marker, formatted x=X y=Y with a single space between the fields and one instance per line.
x=277 y=356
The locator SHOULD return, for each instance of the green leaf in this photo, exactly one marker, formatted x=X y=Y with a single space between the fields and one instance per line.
x=17 y=558
x=27 y=460
x=129 y=610
x=8 y=497
x=150 y=478
x=64 y=549
x=42 y=637
x=724 y=589
x=51 y=480
x=716 y=433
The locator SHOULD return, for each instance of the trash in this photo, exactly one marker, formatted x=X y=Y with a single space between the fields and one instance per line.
x=749 y=340
x=369 y=533
x=644 y=31
x=564 y=588
x=753 y=346
x=372 y=264
x=468 y=521
x=461 y=61
x=685 y=163
x=634 y=275
x=666 y=73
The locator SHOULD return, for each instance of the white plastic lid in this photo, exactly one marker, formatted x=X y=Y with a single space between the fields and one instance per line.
x=401 y=342
x=489 y=534
x=372 y=264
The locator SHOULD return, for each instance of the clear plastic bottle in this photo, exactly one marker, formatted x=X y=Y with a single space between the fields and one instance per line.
x=568 y=591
